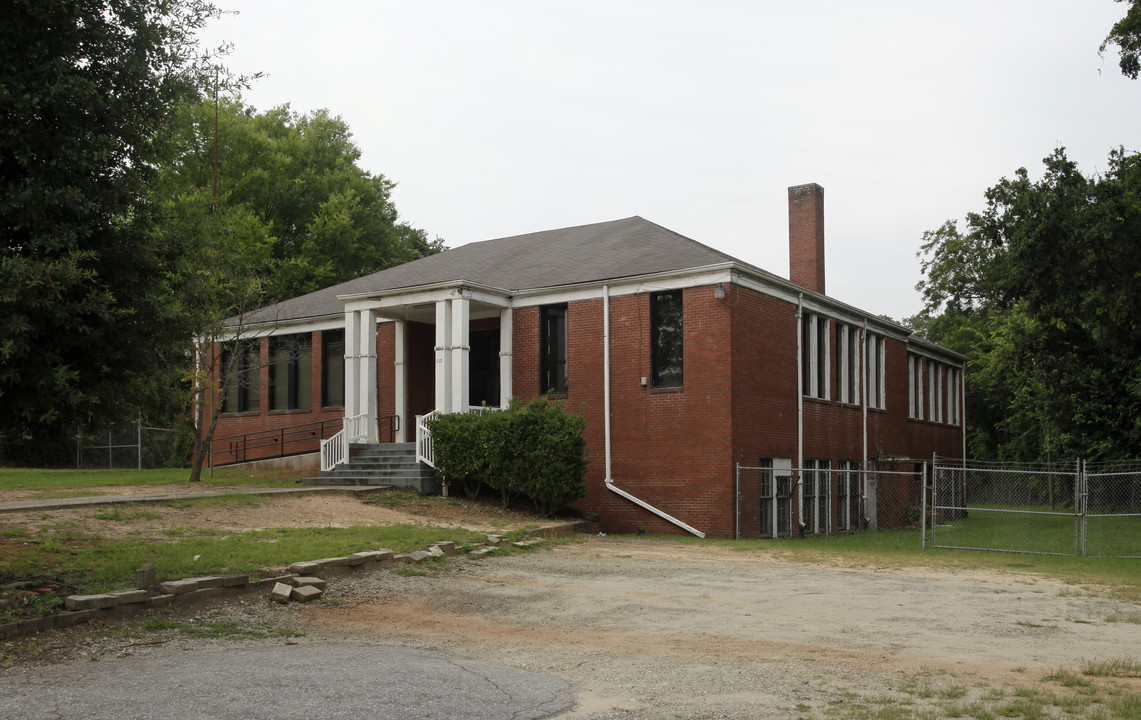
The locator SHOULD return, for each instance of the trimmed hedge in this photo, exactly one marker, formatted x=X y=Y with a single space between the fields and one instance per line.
x=535 y=450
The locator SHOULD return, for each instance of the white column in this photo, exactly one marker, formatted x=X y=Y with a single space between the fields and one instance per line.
x=461 y=376
x=443 y=357
x=401 y=401
x=367 y=369
x=352 y=350
x=505 y=334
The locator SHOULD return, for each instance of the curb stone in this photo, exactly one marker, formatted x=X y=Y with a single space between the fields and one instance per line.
x=302 y=576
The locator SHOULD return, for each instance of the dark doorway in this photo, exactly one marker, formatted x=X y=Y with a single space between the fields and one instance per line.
x=484 y=368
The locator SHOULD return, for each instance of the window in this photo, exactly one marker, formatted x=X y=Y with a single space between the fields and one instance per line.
x=848 y=352
x=666 y=337
x=241 y=379
x=333 y=368
x=554 y=349
x=875 y=347
x=776 y=496
x=815 y=480
x=291 y=372
x=815 y=356
x=953 y=375
x=915 y=387
x=848 y=495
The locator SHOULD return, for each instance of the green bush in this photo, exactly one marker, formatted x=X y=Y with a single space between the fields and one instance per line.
x=535 y=450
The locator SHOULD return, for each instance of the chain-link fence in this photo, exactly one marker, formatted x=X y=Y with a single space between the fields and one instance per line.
x=775 y=501
x=135 y=446
x=1072 y=509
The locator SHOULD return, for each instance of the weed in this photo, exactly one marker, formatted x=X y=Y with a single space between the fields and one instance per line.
x=1067 y=678
x=1121 y=667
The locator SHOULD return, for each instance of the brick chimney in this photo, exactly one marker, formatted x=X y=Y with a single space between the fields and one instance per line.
x=806 y=236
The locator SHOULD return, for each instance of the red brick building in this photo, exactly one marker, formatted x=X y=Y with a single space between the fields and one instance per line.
x=685 y=362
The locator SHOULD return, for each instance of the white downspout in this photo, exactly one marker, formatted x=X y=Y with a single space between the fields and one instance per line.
x=868 y=372
x=606 y=421
x=800 y=409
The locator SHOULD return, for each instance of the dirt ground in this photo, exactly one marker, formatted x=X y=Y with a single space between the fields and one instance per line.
x=645 y=628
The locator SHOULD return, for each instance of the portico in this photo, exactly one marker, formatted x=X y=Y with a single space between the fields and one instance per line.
x=457 y=386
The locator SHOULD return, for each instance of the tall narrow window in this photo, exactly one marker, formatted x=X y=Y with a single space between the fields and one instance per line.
x=241 y=366
x=291 y=372
x=932 y=390
x=666 y=325
x=554 y=349
x=953 y=395
x=815 y=356
x=848 y=354
x=333 y=368
x=874 y=347
x=915 y=386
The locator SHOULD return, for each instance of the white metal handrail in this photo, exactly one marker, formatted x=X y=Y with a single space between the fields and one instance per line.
x=425 y=453
x=335 y=450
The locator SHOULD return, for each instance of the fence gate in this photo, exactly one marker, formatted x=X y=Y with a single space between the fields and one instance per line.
x=1034 y=509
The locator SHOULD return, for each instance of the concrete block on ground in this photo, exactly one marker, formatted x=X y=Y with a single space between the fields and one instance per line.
x=178 y=587
x=527 y=543
x=493 y=539
x=305 y=593
x=435 y=552
x=127 y=597
x=281 y=593
x=370 y=556
x=160 y=600
x=146 y=576
x=482 y=552
x=305 y=568
x=418 y=556
x=310 y=581
x=205 y=581
x=401 y=558
x=448 y=547
x=89 y=602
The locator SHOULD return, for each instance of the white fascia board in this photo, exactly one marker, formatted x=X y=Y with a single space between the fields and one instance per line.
x=675 y=280
x=307 y=325
x=426 y=293
x=930 y=350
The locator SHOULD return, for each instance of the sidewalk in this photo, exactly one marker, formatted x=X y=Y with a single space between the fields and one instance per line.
x=72 y=502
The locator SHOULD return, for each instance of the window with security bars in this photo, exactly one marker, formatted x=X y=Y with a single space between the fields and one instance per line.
x=776 y=498
x=847 y=495
x=814 y=477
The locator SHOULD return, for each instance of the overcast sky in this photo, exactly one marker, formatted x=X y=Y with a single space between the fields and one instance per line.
x=501 y=118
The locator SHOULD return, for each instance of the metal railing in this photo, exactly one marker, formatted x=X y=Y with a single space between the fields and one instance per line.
x=277 y=442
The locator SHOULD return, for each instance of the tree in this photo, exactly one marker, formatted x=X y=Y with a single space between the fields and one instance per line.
x=1043 y=294
x=83 y=89
x=328 y=219
x=1126 y=36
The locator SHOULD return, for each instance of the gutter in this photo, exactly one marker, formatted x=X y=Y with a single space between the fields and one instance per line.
x=606 y=422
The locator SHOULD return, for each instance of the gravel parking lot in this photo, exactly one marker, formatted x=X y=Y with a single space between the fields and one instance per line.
x=649 y=628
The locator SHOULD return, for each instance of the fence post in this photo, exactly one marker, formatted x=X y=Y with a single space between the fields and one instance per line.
x=873 y=521
x=737 y=531
x=139 y=446
x=923 y=508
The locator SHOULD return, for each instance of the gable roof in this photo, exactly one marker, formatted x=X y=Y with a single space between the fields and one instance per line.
x=551 y=258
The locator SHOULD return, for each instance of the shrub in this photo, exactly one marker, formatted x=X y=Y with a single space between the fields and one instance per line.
x=535 y=450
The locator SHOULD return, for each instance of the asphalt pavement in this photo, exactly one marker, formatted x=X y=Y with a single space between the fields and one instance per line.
x=319 y=680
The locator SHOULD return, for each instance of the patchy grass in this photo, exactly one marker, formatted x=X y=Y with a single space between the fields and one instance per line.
x=79 y=483
x=1120 y=667
x=91 y=564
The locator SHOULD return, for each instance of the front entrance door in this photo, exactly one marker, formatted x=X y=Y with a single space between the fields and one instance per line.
x=484 y=368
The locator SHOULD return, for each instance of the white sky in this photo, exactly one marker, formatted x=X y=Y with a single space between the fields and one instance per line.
x=498 y=118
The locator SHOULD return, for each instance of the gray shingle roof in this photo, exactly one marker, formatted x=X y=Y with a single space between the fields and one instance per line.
x=552 y=258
